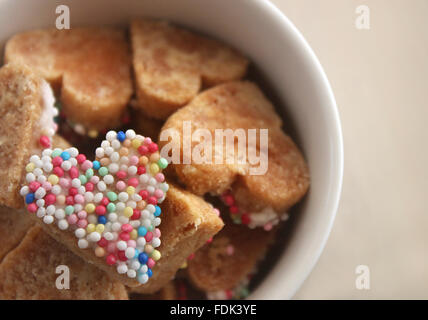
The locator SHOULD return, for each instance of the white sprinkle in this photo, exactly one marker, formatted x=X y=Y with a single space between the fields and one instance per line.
x=121 y=269
x=66 y=165
x=121 y=245
x=48 y=219
x=73 y=152
x=89 y=196
x=111 y=135
x=47 y=152
x=94 y=237
x=123 y=219
x=24 y=191
x=56 y=189
x=108 y=236
x=63 y=224
x=101 y=186
x=135 y=265
x=123 y=196
x=115 y=157
x=132 y=170
x=156 y=242
x=76 y=183
x=130 y=252
x=143 y=278
x=38 y=172
x=40 y=193
x=144 y=178
x=98 y=197
x=157 y=221
x=82 y=243
x=47 y=167
x=112 y=217
x=113 y=168
x=40 y=203
x=141 y=242
x=108 y=179
x=115 y=226
x=105 y=144
x=130 y=134
x=30 y=177
x=108 y=151
x=99 y=152
x=131 y=273
x=41 y=212
x=80 y=233
x=151 y=208
x=34 y=158
x=144 y=268
x=60 y=214
x=50 y=210
x=115 y=144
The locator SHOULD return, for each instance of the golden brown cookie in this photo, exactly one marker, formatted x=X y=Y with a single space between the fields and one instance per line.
x=187 y=224
x=89 y=67
x=14 y=224
x=238 y=107
x=29 y=272
x=232 y=255
x=26 y=113
x=171 y=64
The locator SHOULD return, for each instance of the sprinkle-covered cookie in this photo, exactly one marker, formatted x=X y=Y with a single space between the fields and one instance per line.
x=111 y=205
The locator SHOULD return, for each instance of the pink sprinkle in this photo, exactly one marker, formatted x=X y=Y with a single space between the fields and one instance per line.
x=34 y=185
x=32 y=207
x=86 y=165
x=64 y=183
x=147 y=141
x=83 y=223
x=82 y=214
x=47 y=185
x=149 y=236
x=69 y=200
x=133 y=182
x=132 y=243
x=151 y=263
x=72 y=219
x=230 y=250
x=268 y=226
x=133 y=160
x=74 y=172
x=45 y=141
x=152 y=200
x=50 y=199
x=160 y=177
x=192 y=255
x=95 y=179
x=120 y=185
x=111 y=247
x=127 y=227
x=217 y=212
x=89 y=186
x=80 y=158
x=158 y=193
x=157 y=233
x=57 y=161
x=210 y=240
x=78 y=198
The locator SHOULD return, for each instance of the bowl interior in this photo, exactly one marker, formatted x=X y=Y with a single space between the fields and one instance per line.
x=291 y=72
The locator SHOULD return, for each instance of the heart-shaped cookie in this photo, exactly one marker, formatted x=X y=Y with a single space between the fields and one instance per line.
x=110 y=204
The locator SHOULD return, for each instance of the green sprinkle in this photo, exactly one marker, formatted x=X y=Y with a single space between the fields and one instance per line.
x=162 y=163
x=69 y=210
x=112 y=196
x=150 y=228
x=83 y=179
x=89 y=173
x=56 y=153
x=103 y=171
x=244 y=292
x=111 y=207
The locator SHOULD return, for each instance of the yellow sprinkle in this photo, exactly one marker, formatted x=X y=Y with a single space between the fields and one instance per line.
x=155 y=157
x=154 y=168
x=133 y=234
x=128 y=212
x=90 y=207
x=99 y=228
x=130 y=190
x=93 y=133
x=156 y=255
x=144 y=160
x=184 y=265
x=90 y=228
x=29 y=167
x=53 y=179
x=136 y=143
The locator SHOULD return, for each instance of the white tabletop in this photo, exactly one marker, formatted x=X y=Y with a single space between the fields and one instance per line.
x=380 y=80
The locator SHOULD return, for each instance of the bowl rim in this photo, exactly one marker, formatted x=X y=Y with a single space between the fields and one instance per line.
x=277 y=292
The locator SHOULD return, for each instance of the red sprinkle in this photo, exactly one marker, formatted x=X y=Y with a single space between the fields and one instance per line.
x=133 y=182
x=141 y=170
x=152 y=200
x=89 y=186
x=234 y=209
x=121 y=255
x=144 y=194
x=45 y=142
x=124 y=236
x=153 y=147
x=210 y=240
x=136 y=215
x=32 y=207
x=72 y=191
x=80 y=158
x=105 y=201
x=100 y=210
x=121 y=174
x=111 y=259
x=191 y=256
x=34 y=185
x=57 y=161
x=245 y=218
x=143 y=150
x=58 y=171
x=149 y=236
x=50 y=199
x=69 y=200
x=74 y=173
x=126 y=227
x=103 y=242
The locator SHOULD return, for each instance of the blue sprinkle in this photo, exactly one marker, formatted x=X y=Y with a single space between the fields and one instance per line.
x=65 y=155
x=157 y=211
x=121 y=136
x=96 y=165
x=142 y=231
x=149 y=272
x=143 y=257
x=137 y=252
x=102 y=219
x=29 y=198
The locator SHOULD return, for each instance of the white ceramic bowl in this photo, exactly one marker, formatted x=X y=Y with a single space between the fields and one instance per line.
x=271 y=41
